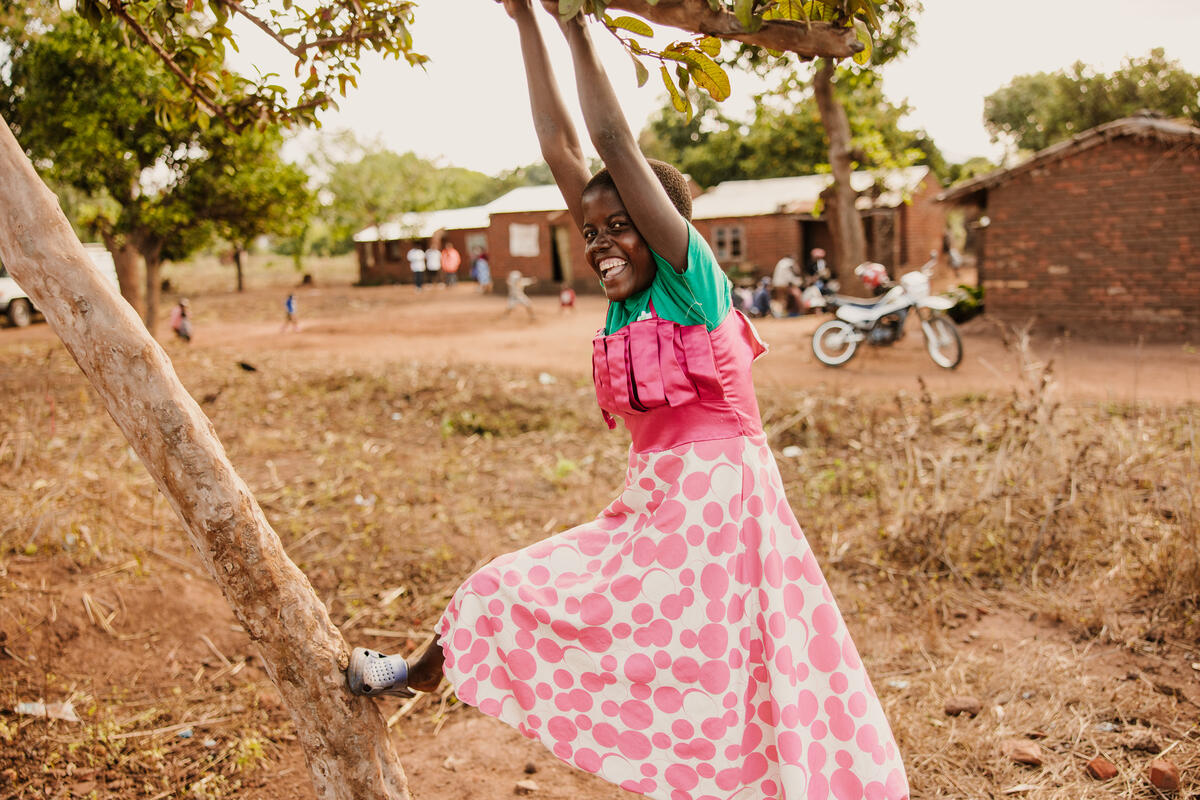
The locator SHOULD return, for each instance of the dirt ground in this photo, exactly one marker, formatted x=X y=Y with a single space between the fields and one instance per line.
x=148 y=650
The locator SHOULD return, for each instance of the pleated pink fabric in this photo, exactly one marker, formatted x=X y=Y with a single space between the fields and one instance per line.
x=684 y=644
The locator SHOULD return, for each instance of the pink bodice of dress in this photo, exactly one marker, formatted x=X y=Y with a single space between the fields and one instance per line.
x=674 y=384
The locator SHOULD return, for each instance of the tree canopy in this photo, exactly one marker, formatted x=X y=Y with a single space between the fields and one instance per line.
x=1037 y=110
x=87 y=110
x=785 y=136
x=327 y=39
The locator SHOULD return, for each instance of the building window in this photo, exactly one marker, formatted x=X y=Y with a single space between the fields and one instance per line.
x=392 y=250
x=727 y=241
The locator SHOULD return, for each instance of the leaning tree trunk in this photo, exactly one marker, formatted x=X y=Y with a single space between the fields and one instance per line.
x=344 y=737
x=849 y=238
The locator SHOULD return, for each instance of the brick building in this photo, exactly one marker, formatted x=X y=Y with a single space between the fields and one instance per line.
x=1098 y=234
x=532 y=231
x=753 y=224
x=749 y=224
x=383 y=249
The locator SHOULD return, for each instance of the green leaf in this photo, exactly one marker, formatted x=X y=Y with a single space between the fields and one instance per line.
x=710 y=45
x=632 y=24
x=744 y=10
x=681 y=103
x=643 y=74
x=567 y=9
x=863 y=57
x=787 y=9
x=708 y=75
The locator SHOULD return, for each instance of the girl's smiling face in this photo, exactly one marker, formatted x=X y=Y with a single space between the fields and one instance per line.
x=615 y=250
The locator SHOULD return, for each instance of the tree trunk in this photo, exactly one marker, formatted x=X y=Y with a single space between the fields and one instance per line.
x=344 y=737
x=151 y=255
x=238 y=253
x=126 y=260
x=845 y=224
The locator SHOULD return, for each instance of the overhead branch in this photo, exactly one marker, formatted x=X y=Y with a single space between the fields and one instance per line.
x=212 y=105
x=263 y=26
x=805 y=39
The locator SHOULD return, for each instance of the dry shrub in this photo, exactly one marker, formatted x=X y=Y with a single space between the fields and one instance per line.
x=991 y=491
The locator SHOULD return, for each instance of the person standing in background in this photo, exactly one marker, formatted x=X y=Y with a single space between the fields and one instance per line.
x=416 y=263
x=433 y=262
x=451 y=261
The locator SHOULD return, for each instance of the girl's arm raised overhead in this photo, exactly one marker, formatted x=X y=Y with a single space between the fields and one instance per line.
x=644 y=198
x=556 y=134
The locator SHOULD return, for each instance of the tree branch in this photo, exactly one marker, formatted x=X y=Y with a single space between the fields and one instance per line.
x=261 y=24
x=165 y=57
x=805 y=39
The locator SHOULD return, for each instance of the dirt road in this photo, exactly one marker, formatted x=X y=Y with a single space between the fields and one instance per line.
x=358 y=325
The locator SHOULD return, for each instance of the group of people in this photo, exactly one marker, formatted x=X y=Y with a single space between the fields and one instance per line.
x=784 y=286
x=434 y=265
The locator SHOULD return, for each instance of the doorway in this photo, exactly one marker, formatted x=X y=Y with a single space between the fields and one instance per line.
x=560 y=255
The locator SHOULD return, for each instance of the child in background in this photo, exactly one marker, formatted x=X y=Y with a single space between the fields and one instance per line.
x=290 y=321
x=482 y=271
x=517 y=283
x=683 y=644
x=566 y=298
x=181 y=322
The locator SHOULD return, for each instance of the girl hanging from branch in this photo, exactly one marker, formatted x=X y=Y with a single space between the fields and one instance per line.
x=683 y=644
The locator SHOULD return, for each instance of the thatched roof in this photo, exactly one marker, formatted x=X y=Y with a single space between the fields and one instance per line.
x=1141 y=127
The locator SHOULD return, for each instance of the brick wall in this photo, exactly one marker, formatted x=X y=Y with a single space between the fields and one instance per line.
x=923 y=222
x=541 y=267
x=765 y=240
x=1105 y=241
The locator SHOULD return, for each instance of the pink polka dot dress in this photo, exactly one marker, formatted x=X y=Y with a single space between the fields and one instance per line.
x=684 y=644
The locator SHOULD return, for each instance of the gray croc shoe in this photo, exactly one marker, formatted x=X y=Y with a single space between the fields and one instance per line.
x=371 y=673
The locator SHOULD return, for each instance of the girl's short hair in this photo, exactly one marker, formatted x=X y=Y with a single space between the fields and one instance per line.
x=672 y=181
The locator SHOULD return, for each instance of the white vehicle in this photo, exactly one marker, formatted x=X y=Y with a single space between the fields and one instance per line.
x=17 y=306
x=881 y=321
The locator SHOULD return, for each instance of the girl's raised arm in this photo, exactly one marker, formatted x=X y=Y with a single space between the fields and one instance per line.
x=644 y=197
x=556 y=134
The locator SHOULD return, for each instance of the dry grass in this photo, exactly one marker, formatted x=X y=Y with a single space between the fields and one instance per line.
x=1042 y=557
x=1004 y=492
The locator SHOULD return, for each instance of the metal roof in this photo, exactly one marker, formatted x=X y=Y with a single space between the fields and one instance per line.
x=423 y=224
x=1144 y=126
x=528 y=198
x=799 y=195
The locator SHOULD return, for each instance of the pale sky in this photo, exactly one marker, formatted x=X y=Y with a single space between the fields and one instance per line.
x=470 y=108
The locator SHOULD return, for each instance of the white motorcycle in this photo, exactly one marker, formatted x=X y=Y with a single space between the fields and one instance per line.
x=880 y=321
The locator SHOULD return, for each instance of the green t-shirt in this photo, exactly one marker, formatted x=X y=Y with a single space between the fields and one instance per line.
x=701 y=295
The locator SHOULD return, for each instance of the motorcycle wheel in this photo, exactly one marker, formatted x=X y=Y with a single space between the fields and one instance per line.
x=834 y=343
x=942 y=341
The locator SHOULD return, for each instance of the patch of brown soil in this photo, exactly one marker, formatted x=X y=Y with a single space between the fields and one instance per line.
x=391 y=464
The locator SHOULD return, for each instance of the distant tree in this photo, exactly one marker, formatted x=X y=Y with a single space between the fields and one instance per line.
x=971 y=168
x=152 y=186
x=1037 y=110
x=784 y=136
x=245 y=190
x=369 y=184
